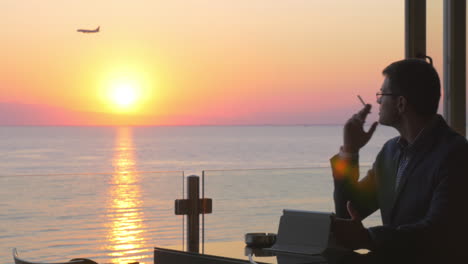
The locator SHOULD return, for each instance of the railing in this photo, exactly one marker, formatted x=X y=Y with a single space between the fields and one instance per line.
x=252 y=200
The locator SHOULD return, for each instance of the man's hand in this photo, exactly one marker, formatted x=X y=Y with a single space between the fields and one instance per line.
x=354 y=136
x=350 y=233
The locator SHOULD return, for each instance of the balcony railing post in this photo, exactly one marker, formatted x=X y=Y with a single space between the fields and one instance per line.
x=193 y=218
x=193 y=207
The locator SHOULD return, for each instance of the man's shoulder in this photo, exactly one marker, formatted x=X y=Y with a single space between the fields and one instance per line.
x=456 y=147
x=391 y=144
x=451 y=140
x=389 y=149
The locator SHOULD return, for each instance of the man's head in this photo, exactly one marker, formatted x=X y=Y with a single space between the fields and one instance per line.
x=410 y=85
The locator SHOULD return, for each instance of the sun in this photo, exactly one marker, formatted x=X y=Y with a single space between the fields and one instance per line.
x=126 y=88
x=124 y=94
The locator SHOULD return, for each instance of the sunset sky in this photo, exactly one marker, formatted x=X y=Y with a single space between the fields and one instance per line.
x=192 y=62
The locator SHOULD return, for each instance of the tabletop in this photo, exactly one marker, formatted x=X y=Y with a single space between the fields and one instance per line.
x=237 y=252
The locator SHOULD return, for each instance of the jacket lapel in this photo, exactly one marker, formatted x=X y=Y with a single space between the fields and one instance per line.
x=404 y=177
x=424 y=146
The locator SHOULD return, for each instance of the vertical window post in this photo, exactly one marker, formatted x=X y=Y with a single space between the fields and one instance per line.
x=455 y=64
x=415 y=28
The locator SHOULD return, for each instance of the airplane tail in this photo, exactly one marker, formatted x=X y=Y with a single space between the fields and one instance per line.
x=97 y=29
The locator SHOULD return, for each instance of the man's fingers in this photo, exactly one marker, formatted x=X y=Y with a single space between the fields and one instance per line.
x=357 y=119
x=364 y=112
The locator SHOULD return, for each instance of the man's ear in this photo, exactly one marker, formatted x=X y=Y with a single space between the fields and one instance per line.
x=402 y=104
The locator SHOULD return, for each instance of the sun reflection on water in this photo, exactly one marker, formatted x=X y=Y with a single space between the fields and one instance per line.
x=125 y=240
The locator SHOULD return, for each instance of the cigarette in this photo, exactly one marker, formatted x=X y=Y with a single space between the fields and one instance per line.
x=362 y=101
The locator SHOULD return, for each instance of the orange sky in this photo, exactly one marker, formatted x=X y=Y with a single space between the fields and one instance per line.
x=198 y=62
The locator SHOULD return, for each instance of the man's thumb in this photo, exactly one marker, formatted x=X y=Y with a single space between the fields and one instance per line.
x=372 y=129
x=352 y=212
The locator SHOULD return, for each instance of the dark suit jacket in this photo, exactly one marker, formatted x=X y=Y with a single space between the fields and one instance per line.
x=417 y=217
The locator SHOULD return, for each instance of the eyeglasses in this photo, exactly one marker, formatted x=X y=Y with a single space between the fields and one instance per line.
x=380 y=95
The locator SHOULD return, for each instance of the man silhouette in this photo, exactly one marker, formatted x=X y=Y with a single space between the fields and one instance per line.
x=409 y=180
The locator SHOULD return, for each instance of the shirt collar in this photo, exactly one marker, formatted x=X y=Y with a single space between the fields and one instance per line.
x=420 y=140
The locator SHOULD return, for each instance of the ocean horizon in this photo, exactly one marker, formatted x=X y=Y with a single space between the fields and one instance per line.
x=83 y=149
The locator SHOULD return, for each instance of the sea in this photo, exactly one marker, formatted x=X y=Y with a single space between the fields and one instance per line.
x=108 y=193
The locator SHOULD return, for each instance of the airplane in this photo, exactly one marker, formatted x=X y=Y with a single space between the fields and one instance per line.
x=88 y=30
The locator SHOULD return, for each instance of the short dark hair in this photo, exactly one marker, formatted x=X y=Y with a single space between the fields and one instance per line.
x=417 y=81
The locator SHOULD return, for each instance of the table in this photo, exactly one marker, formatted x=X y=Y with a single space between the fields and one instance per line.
x=237 y=253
